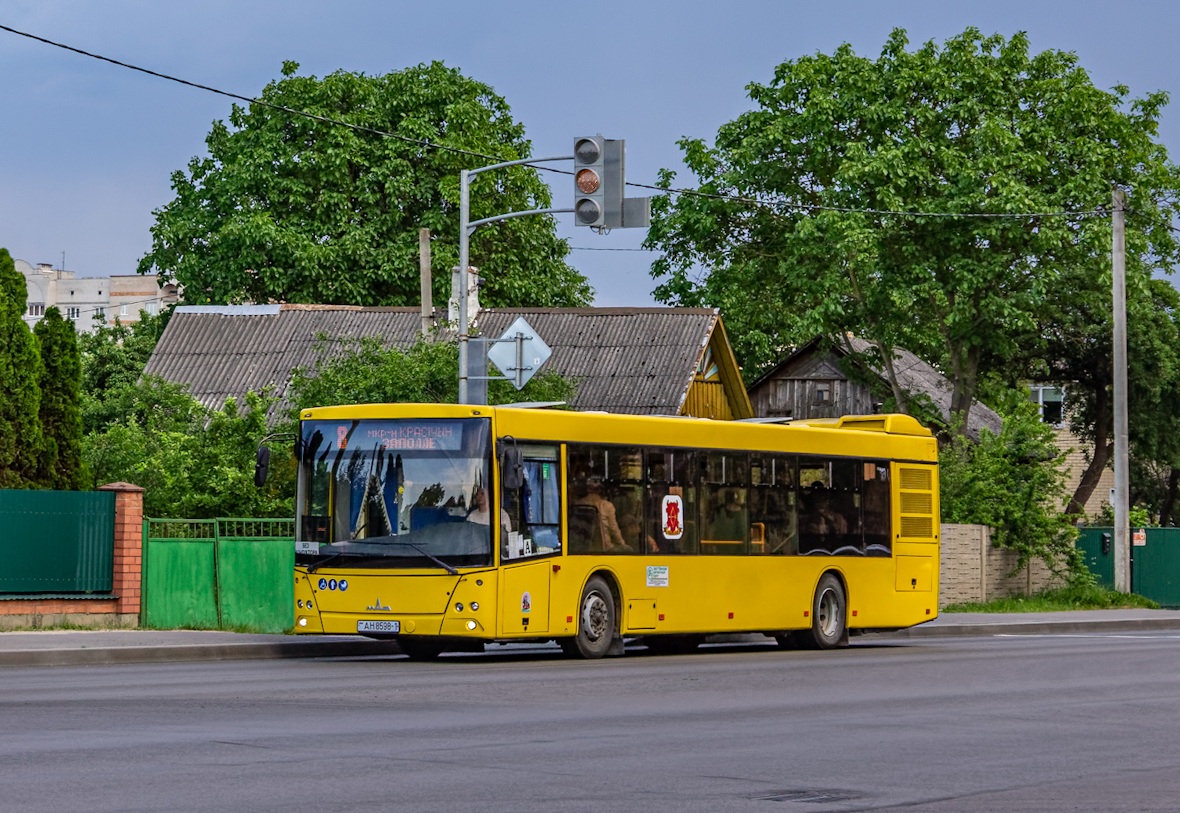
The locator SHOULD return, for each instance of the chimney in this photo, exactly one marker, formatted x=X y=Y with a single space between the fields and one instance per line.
x=472 y=296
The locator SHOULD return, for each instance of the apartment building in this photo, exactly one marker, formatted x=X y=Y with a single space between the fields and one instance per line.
x=81 y=299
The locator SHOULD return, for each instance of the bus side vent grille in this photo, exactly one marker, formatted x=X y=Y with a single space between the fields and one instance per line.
x=917 y=526
x=916 y=503
x=917 y=479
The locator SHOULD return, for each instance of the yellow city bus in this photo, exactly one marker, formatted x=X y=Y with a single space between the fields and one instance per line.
x=448 y=526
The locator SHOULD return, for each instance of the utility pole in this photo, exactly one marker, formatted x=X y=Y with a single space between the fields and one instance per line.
x=1122 y=490
x=427 y=297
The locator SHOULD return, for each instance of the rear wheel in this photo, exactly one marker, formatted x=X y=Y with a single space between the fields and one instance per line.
x=420 y=650
x=596 y=621
x=829 y=615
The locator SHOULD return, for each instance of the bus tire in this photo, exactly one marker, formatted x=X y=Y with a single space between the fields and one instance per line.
x=829 y=615
x=596 y=622
x=420 y=650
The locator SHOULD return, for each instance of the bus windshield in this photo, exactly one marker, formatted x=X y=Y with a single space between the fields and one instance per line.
x=415 y=490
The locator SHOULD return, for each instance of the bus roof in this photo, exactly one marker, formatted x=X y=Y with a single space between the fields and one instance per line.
x=894 y=436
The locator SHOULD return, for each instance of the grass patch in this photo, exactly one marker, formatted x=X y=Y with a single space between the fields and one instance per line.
x=1078 y=597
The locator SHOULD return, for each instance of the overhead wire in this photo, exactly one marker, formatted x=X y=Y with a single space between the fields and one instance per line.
x=781 y=203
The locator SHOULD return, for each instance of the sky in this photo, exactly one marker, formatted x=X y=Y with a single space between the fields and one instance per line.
x=87 y=149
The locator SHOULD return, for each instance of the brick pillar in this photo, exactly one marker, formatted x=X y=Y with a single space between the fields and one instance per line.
x=128 y=545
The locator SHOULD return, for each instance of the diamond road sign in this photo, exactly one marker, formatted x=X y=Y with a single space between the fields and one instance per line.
x=519 y=353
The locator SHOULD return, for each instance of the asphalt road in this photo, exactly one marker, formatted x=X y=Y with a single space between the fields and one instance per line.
x=1075 y=722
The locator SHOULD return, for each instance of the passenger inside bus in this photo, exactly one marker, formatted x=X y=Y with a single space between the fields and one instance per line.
x=599 y=527
x=729 y=518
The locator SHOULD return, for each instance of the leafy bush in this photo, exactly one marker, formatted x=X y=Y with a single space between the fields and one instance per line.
x=193 y=462
x=1013 y=482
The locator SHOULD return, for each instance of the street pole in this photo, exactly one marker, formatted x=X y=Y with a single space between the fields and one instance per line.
x=466 y=228
x=464 y=215
x=1122 y=532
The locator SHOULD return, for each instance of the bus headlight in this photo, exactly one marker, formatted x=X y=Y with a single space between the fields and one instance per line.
x=458 y=606
x=470 y=625
x=474 y=606
x=303 y=622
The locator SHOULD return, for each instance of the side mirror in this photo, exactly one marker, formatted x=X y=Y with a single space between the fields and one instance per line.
x=511 y=466
x=261 y=466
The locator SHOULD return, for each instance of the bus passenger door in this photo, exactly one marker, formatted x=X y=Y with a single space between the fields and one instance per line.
x=525 y=600
x=530 y=536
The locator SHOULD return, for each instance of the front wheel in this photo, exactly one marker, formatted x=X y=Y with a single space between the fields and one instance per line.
x=596 y=622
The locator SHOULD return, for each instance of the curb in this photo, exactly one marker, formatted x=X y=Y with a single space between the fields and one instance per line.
x=1034 y=628
x=197 y=652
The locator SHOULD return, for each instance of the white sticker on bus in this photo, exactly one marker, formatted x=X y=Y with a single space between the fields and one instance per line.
x=657 y=575
x=672 y=513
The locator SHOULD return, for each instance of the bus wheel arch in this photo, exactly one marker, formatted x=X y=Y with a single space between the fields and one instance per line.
x=598 y=618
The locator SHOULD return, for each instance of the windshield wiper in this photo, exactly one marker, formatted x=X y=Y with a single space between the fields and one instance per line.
x=313 y=568
x=429 y=556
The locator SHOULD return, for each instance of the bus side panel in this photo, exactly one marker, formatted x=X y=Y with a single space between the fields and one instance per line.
x=693 y=593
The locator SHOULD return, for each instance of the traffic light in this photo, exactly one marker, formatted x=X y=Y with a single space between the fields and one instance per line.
x=590 y=181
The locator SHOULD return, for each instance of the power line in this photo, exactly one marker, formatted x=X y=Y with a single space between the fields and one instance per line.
x=782 y=203
x=359 y=128
x=589 y=248
x=1147 y=216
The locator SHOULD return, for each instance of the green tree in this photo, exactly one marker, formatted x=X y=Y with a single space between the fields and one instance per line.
x=113 y=359
x=193 y=462
x=428 y=372
x=61 y=410
x=976 y=126
x=1073 y=349
x=288 y=208
x=20 y=392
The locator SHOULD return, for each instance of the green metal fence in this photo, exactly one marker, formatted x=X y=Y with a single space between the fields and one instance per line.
x=219 y=573
x=1155 y=564
x=1096 y=545
x=57 y=541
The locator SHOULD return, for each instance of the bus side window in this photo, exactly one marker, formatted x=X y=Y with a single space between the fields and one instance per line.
x=829 y=507
x=534 y=509
x=876 y=507
x=670 y=495
x=724 y=511
x=596 y=498
x=772 y=505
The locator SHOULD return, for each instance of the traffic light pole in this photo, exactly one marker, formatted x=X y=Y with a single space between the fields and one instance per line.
x=466 y=229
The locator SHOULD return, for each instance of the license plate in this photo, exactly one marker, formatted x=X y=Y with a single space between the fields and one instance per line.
x=378 y=626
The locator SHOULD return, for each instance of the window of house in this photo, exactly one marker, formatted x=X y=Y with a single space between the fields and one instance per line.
x=101 y=312
x=153 y=308
x=122 y=310
x=73 y=313
x=36 y=309
x=1051 y=402
x=823 y=392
